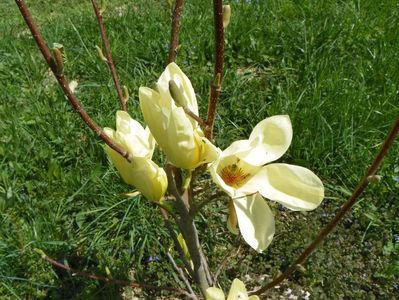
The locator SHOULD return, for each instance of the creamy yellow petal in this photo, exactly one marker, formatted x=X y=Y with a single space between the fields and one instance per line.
x=141 y=173
x=132 y=136
x=293 y=186
x=173 y=72
x=183 y=148
x=254 y=297
x=255 y=220
x=237 y=291
x=240 y=148
x=173 y=131
x=208 y=151
x=214 y=293
x=269 y=140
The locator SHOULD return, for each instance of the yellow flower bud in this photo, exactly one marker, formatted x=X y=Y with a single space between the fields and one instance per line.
x=226 y=15
x=178 y=135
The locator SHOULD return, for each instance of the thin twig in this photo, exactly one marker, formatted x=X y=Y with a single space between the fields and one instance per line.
x=64 y=83
x=174 y=36
x=344 y=209
x=227 y=258
x=176 y=242
x=208 y=274
x=198 y=206
x=110 y=62
x=195 y=117
x=109 y=280
x=218 y=68
x=182 y=276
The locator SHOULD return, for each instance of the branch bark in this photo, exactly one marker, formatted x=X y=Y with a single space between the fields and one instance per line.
x=110 y=62
x=344 y=209
x=189 y=232
x=218 y=68
x=174 y=35
x=63 y=81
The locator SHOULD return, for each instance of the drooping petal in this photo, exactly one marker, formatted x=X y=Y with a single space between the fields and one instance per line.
x=255 y=220
x=269 y=140
x=141 y=173
x=173 y=72
x=232 y=219
x=295 y=187
x=237 y=290
x=214 y=293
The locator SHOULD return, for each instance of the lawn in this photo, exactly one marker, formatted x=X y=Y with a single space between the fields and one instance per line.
x=332 y=66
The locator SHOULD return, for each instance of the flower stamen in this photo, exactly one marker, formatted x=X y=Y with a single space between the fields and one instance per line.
x=233 y=175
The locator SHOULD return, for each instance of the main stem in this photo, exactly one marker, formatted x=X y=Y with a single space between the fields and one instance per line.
x=189 y=232
x=344 y=209
x=185 y=222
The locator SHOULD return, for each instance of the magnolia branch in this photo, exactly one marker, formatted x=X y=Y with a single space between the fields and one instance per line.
x=63 y=82
x=110 y=62
x=189 y=231
x=174 y=35
x=218 y=68
x=109 y=280
x=344 y=209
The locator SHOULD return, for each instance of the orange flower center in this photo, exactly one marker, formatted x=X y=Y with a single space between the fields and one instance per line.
x=233 y=175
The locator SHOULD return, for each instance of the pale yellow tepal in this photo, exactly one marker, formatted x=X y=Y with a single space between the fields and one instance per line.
x=178 y=135
x=141 y=172
x=243 y=172
x=237 y=292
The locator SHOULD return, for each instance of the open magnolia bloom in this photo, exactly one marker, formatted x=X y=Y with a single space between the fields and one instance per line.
x=237 y=292
x=179 y=136
x=243 y=173
x=141 y=172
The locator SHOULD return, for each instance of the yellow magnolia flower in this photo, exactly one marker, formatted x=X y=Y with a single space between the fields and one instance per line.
x=237 y=292
x=178 y=135
x=141 y=172
x=241 y=171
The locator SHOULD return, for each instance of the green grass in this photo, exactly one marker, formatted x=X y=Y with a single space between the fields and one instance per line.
x=333 y=66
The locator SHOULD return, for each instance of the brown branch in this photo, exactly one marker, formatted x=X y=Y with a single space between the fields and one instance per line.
x=109 y=280
x=110 y=62
x=218 y=68
x=344 y=209
x=198 y=206
x=194 y=117
x=174 y=35
x=63 y=81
